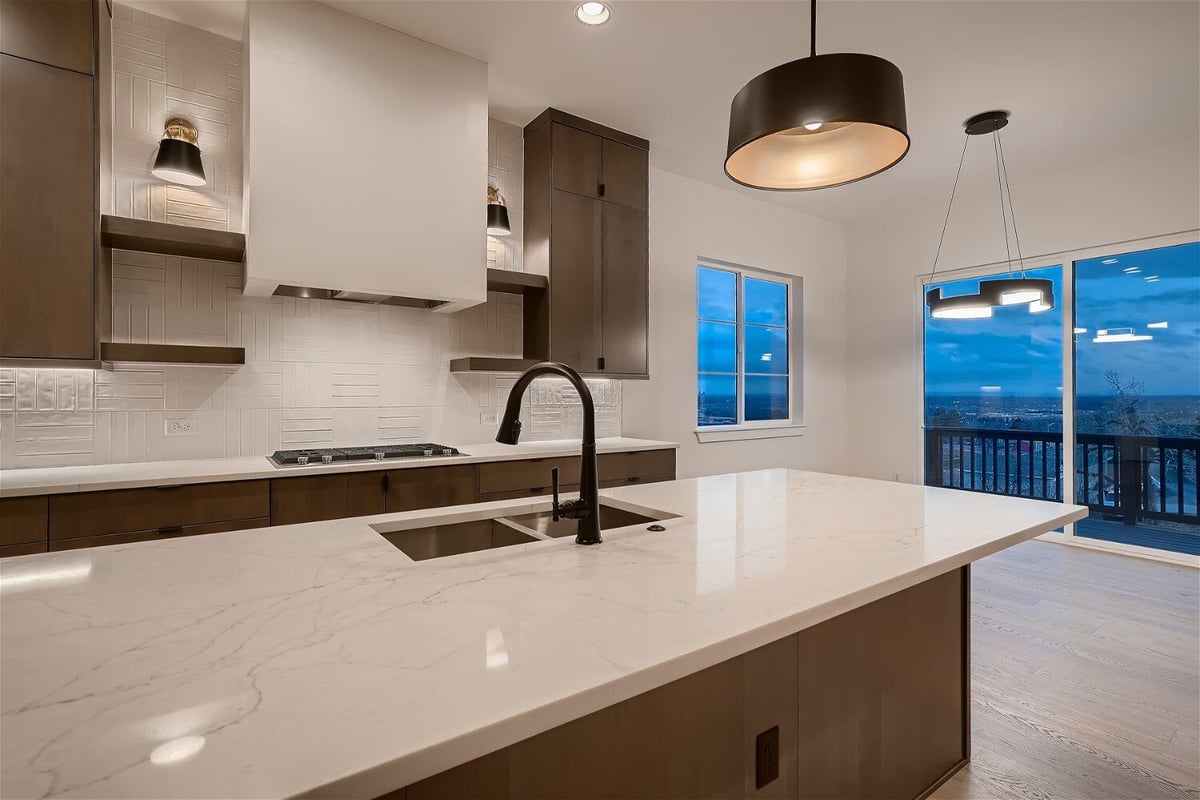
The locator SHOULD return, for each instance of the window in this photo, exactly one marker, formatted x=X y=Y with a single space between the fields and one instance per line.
x=743 y=345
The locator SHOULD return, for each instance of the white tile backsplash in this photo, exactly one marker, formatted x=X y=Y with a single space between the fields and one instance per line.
x=318 y=373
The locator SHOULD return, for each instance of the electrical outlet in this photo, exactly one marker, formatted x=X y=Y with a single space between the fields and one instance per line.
x=766 y=757
x=180 y=427
x=896 y=476
x=489 y=417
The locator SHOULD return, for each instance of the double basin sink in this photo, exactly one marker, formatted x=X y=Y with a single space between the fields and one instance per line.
x=442 y=539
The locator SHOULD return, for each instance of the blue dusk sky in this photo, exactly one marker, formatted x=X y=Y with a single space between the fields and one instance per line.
x=1016 y=353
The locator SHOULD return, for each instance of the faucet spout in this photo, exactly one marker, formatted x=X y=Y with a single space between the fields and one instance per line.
x=587 y=508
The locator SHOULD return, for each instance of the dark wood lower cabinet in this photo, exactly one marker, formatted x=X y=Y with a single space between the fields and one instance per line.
x=319 y=497
x=430 y=487
x=88 y=519
x=170 y=532
x=870 y=704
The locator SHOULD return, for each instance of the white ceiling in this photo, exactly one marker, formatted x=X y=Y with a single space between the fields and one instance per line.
x=1084 y=79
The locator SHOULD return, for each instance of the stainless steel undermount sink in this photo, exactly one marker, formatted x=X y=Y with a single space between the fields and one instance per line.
x=436 y=539
x=611 y=517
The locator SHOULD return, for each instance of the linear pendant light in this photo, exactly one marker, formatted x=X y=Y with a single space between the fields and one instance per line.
x=1036 y=293
x=817 y=122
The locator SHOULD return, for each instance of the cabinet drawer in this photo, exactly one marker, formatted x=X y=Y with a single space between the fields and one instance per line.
x=162 y=533
x=23 y=520
x=55 y=33
x=132 y=510
x=320 y=497
x=29 y=548
x=530 y=477
x=431 y=487
x=637 y=466
x=537 y=491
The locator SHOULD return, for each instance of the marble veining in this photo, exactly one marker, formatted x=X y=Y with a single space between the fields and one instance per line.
x=318 y=660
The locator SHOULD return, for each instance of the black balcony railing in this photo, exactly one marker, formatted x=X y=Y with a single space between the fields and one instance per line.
x=1123 y=477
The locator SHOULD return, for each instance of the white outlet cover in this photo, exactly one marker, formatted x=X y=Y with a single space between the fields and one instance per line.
x=489 y=417
x=179 y=427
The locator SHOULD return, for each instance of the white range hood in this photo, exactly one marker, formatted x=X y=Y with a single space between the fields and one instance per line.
x=366 y=161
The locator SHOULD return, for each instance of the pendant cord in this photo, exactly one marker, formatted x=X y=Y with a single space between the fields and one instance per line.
x=1003 y=214
x=1011 y=213
x=953 y=190
x=812 y=28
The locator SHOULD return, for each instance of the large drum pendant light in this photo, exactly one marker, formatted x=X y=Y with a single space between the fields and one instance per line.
x=817 y=122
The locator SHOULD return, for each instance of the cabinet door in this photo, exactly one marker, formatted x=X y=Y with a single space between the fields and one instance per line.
x=57 y=33
x=431 y=487
x=23 y=520
x=575 y=280
x=625 y=281
x=624 y=175
x=574 y=160
x=48 y=228
x=318 y=497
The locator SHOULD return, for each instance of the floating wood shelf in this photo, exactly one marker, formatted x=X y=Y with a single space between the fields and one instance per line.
x=172 y=240
x=172 y=354
x=504 y=280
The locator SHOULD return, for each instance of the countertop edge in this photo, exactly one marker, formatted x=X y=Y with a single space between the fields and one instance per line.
x=416 y=766
x=259 y=468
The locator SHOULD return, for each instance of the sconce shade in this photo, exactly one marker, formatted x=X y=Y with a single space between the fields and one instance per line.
x=178 y=159
x=497 y=214
x=820 y=121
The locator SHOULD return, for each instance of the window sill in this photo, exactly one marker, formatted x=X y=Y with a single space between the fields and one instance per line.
x=734 y=433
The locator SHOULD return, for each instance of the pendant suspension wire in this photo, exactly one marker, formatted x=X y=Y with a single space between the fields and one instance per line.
x=1011 y=213
x=812 y=28
x=1003 y=213
x=953 y=190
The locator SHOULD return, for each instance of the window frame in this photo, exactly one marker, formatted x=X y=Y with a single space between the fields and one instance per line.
x=753 y=429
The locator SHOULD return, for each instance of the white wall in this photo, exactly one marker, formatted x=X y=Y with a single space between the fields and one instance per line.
x=691 y=220
x=1135 y=196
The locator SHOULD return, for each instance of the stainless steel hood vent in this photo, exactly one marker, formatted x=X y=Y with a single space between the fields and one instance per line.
x=283 y=290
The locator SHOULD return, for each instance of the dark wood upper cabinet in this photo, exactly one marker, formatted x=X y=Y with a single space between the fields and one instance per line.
x=575 y=326
x=55 y=32
x=586 y=226
x=575 y=161
x=624 y=174
x=48 y=232
x=625 y=272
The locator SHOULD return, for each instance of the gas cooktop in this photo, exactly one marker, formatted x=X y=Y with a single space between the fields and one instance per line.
x=382 y=452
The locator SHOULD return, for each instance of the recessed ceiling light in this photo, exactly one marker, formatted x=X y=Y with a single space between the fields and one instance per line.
x=592 y=13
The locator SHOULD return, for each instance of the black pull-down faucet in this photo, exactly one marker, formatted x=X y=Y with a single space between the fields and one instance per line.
x=587 y=508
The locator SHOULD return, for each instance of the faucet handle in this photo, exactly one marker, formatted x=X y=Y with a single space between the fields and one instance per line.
x=554 y=484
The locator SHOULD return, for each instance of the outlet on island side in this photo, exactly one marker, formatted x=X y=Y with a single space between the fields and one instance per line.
x=489 y=417
x=179 y=427
x=766 y=758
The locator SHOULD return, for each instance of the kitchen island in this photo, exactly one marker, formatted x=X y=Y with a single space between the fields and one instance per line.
x=777 y=617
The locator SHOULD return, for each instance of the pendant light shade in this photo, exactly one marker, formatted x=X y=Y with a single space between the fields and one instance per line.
x=1036 y=293
x=817 y=122
x=497 y=214
x=178 y=159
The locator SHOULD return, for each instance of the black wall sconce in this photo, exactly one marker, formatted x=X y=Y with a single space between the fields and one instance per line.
x=497 y=214
x=178 y=159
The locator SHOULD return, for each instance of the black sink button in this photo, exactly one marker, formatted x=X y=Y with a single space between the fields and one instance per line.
x=656 y=528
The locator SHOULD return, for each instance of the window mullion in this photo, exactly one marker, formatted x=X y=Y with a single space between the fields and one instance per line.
x=741 y=344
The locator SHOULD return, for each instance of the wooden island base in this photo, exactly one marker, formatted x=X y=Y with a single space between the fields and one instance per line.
x=870 y=704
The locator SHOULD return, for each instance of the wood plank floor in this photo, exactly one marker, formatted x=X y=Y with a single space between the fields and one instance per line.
x=1086 y=678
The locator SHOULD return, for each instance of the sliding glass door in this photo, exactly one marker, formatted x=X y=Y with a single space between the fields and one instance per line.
x=996 y=416
x=1137 y=396
x=994 y=396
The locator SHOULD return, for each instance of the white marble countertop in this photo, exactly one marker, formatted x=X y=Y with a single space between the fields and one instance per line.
x=318 y=660
x=57 y=480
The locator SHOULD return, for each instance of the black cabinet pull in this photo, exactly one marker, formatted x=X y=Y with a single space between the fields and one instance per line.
x=170 y=529
x=170 y=486
x=600 y=364
x=601 y=189
x=633 y=478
